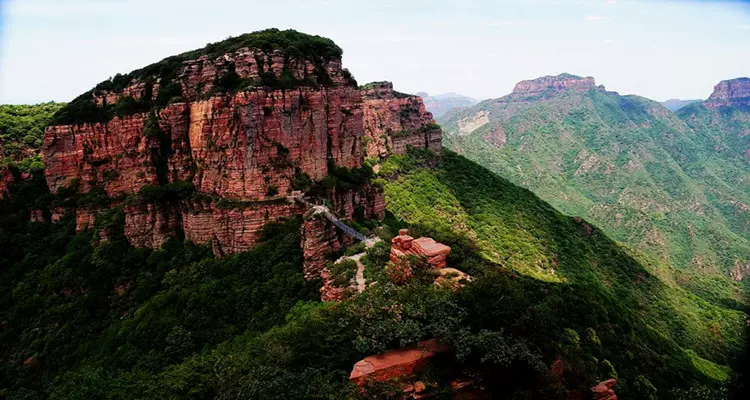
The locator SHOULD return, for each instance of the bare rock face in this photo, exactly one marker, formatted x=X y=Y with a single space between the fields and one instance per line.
x=233 y=230
x=286 y=116
x=250 y=145
x=404 y=245
x=549 y=85
x=150 y=225
x=396 y=364
x=319 y=238
x=394 y=121
x=329 y=291
x=604 y=391
x=731 y=92
x=740 y=271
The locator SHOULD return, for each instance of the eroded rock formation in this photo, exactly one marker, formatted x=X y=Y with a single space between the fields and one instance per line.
x=246 y=125
x=396 y=364
x=732 y=92
x=604 y=391
x=551 y=85
x=319 y=238
x=404 y=245
x=393 y=121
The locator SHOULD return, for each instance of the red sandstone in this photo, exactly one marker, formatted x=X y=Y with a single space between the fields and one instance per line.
x=394 y=123
x=404 y=245
x=244 y=146
x=396 y=363
x=604 y=391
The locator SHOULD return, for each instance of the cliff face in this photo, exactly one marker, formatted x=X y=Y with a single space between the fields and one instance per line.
x=550 y=85
x=246 y=125
x=732 y=92
x=394 y=121
x=242 y=145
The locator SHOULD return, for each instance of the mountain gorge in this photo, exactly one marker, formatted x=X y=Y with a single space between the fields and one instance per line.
x=175 y=243
x=440 y=104
x=672 y=185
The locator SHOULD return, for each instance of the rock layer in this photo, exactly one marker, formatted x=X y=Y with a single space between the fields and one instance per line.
x=732 y=92
x=246 y=126
x=547 y=85
x=394 y=121
x=396 y=364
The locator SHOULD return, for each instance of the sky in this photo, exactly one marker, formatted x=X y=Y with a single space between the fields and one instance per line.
x=58 y=49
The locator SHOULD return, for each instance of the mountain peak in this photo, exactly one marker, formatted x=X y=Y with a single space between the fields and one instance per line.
x=559 y=83
x=730 y=92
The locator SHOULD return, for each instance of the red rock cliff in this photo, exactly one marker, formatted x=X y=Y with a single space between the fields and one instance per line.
x=730 y=92
x=394 y=121
x=549 y=85
x=287 y=115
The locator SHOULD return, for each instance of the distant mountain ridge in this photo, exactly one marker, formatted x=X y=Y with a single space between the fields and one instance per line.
x=676 y=104
x=440 y=104
x=672 y=185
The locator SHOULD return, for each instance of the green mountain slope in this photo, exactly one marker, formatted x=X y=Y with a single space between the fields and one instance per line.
x=22 y=131
x=86 y=320
x=626 y=163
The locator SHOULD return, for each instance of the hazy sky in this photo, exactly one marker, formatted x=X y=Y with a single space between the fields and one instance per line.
x=57 y=49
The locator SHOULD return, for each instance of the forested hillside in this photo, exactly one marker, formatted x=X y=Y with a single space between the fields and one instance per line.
x=676 y=189
x=84 y=319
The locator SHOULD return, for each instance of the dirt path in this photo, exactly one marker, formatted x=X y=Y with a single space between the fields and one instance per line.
x=359 y=278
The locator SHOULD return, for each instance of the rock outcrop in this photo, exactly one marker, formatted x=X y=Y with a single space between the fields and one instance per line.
x=550 y=85
x=740 y=270
x=394 y=121
x=319 y=238
x=396 y=364
x=246 y=125
x=732 y=92
x=604 y=391
x=404 y=245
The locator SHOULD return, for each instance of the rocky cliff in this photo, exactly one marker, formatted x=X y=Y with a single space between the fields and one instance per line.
x=242 y=122
x=732 y=92
x=548 y=85
x=393 y=121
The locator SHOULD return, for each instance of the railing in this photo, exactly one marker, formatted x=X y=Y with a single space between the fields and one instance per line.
x=344 y=227
x=327 y=213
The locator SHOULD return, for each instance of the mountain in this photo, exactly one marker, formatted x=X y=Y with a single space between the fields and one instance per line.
x=672 y=186
x=724 y=119
x=676 y=104
x=440 y=104
x=188 y=217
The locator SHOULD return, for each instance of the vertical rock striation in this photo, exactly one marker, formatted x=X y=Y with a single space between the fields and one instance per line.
x=246 y=121
x=393 y=121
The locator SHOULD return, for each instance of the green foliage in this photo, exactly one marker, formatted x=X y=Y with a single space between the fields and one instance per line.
x=22 y=132
x=343 y=272
x=561 y=285
x=374 y=84
x=111 y=321
x=80 y=110
x=127 y=105
x=670 y=185
x=102 y=320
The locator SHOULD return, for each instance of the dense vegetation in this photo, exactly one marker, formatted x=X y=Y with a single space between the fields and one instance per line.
x=83 y=319
x=22 y=133
x=290 y=43
x=633 y=168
